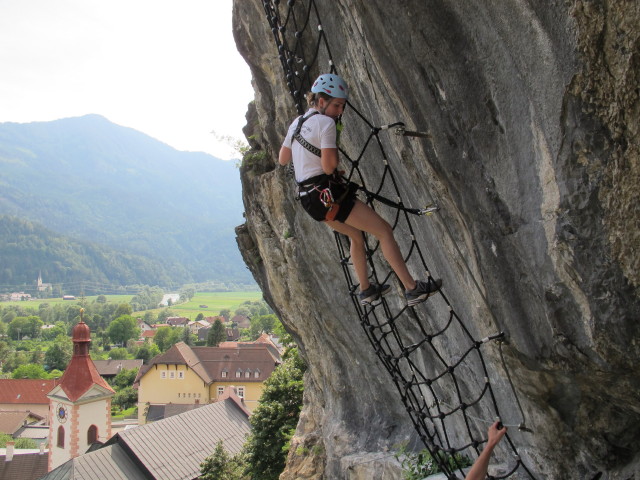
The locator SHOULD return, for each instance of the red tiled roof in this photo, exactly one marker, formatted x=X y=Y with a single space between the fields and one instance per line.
x=149 y=333
x=26 y=390
x=80 y=376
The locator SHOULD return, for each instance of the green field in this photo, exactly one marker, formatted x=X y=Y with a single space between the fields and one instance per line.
x=35 y=303
x=214 y=301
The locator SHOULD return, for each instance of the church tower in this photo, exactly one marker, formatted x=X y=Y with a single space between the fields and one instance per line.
x=80 y=405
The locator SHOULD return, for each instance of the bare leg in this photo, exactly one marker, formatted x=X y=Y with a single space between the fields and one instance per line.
x=366 y=219
x=357 y=250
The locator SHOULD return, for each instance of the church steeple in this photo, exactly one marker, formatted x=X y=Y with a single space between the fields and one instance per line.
x=80 y=405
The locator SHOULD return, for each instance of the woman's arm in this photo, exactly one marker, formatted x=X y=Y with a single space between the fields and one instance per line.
x=285 y=155
x=481 y=465
x=329 y=160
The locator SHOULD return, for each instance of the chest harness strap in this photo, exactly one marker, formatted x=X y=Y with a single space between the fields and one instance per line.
x=301 y=140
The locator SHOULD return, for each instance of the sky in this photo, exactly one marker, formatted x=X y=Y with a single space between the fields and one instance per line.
x=168 y=68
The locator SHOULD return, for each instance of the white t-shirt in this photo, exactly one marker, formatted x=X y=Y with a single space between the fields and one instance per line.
x=320 y=131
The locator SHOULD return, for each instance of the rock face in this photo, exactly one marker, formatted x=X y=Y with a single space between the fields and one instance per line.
x=532 y=109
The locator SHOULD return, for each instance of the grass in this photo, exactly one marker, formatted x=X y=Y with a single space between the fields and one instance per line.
x=214 y=301
x=34 y=303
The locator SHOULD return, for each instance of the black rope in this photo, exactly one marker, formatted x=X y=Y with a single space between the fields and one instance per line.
x=425 y=372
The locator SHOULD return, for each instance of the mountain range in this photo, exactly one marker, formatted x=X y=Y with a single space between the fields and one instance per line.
x=165 y=216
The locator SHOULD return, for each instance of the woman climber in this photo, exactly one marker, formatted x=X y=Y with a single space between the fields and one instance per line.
x=326 y=196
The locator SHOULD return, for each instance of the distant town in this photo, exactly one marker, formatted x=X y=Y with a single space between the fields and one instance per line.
x=88 y=380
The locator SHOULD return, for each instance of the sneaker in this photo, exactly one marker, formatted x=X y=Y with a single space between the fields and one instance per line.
x=422 y=291
x=373 y=293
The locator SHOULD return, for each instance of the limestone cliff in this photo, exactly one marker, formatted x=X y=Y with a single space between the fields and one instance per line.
x=532 y=110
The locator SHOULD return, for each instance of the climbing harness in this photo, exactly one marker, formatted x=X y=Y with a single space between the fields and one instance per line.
x=300 y=139
x=450 y=412
x=326 y=196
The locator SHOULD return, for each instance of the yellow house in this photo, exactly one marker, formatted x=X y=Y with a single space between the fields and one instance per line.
x=185 y=375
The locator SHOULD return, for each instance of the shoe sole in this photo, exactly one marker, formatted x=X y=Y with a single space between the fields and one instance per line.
x=423 y=297
x=373 y=298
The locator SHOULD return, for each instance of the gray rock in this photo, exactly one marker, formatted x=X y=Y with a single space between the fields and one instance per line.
x=532 y=111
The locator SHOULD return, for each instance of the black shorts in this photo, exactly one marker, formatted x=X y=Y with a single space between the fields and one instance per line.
x=343 y=193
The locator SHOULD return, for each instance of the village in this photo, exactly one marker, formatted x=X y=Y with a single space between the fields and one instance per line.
x=196 y=392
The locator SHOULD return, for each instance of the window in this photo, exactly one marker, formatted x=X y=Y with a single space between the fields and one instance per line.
x=220 y=391
x=163 y=374
x=180 y=374
x=92 y=435
x=172 y=375
x=247 y=374
x=256 y=374
x=240 y=391
x=238 y=373
x=224 y=374
x=60 y=436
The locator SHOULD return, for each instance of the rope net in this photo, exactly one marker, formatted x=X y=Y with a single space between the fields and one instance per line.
x=425 y=372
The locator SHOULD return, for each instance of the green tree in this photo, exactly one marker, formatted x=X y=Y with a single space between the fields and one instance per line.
x=147 y=351
x=275 y=419
x=217 y=333
x=164 y=314
x=220 y=465
x=262 y=323
x=226 y=313
x=187 y=337
x=51 y=333
x=123 y=328
x=101 y=299
x=30 y=370
x=124 y=378
x=21 y=327
x=19 y=443
x=123 y=309
x=118 y=354
x=125 y=398
x=59 y=354
x=162 y=338
x=199 y=317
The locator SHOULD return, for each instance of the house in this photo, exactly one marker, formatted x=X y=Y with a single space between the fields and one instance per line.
x=264 y=339
x=188 y=375
x=18 y=296
x=11 y=422
x=148 y=334
x=108 y=369
x=24 y=394
x=21 y=464
x=143 y=326
x=195 y=326
x=169 y=449
x=241 y=321
x=177 y=321
x=232 y=334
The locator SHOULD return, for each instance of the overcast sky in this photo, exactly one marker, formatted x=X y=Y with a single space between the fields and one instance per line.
x=168 y=68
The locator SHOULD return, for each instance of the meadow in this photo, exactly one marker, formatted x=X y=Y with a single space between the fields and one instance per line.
x=207 y=303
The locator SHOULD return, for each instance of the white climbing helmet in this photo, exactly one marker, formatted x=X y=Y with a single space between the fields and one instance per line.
x=332 y=85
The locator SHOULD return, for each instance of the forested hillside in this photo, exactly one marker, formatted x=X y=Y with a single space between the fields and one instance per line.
x=28 y=249
x=90 y=180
